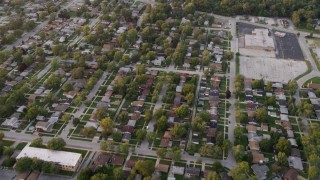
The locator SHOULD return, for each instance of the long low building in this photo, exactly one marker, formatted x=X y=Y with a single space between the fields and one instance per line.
x=64 y=160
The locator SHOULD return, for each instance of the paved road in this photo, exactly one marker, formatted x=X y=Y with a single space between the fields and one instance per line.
x=177 y=71
x=92 y=146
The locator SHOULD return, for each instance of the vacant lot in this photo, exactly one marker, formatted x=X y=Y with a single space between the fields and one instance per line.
x=270 y=69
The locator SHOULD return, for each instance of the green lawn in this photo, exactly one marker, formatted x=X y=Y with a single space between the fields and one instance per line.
x=7 y=142
x=21 y=145
x=313 y=80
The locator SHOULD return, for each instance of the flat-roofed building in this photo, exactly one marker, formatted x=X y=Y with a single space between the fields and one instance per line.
x=64 y=160
x=259 y=40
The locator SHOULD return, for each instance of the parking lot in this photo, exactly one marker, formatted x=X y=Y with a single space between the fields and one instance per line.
x=288 y=47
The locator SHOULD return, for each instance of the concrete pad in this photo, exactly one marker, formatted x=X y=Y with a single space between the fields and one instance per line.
x=271 y=69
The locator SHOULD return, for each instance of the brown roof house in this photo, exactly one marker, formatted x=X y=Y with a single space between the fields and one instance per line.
x=257 y=157
x=101 y=160
x=117 y=160
x=291 y=174
x=162 y=168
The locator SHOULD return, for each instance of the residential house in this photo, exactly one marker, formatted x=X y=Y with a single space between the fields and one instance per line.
x=291 y=174
x=260 y=171
x=192 y=172
x=257 y=157
x=162 y=168
x=295 y=162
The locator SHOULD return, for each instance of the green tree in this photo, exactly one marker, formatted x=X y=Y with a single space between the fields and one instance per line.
x=116 y=136
x=213 y=176
x=141 y=134
x=238 y=152
x=161 y=152
x=144 y=167
x=124 y=147
x=183 y=111
x=178 y=131
x=313 y=172
x=190 y=98
x=1 y=135
x=75 y=121
x=8 y=151
x=147 y=115
x=117 y=173
x=56 y=143
x=284 y=146
x=261 y=115
x=282 y=159
x=85 y=174
x=37 y=142
x=241 y=171
x=107 y=125
x=150 y=136
x=162 y=123
x=123 y=117
x=23 y=164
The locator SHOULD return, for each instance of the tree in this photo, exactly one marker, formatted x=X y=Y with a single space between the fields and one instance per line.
x=66 y=117
x=150 y=136
x=162 y=123
x=241 y=171
x=144 y=167
x=226 y=144
x=89 y=131
x=161 y=152
x=37 y=142
x=8 y=151
x=9 y=162
x=213 y=176
x=313 y=172
x=183 y=111
x=141 y=134
x=147 y=115
x=305 y=109
x=178 y=131
x=282 y=159
x=124 y=148
x=123 y=117
x=132 y=35
x=266 y=145
x=116 y=136
x=159 y=112
x=284 y=146
x=261 y=115
x=238 y=152
x=175 y=155
x=190 y=98
x=56 y=143
x=75 y=121
x=1 y=135
x=99 y=176
x=107 y=125
x=85 y=174
x=228 y=94
x=53 y=82
x=188 y=88
x=292 y=87
x=23 y=164
x=117 y=173
x=67 y=87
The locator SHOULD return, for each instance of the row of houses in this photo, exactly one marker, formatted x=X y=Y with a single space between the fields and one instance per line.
x=127 y=165
x=252 y=127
